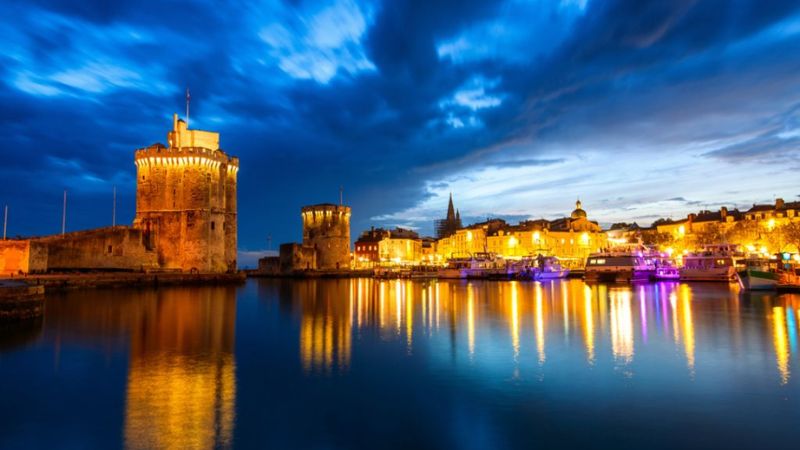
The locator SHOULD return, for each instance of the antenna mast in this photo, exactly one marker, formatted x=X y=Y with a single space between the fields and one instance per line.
x=5 y=223
x=341 y=195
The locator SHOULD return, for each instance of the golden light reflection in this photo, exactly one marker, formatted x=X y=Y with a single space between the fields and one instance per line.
x=515 y=318
x=781 y=341
x=687 y=325
x=588 y=324
x=621 y=325
x=181 y=390
x=471 y=319
x=452 y=313
x=539 y=315
x=325 y=326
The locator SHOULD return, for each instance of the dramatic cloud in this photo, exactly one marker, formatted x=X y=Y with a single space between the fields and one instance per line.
x=516 y=107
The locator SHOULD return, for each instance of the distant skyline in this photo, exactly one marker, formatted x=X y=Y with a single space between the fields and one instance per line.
x=640 y=109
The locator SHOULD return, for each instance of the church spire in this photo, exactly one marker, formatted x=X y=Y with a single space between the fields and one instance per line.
x=451 y=213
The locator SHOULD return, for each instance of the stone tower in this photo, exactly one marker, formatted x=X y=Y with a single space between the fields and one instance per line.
x=326 y=228
x=186 y=201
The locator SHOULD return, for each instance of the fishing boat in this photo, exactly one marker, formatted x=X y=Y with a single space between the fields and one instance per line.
x=759 y=273
x=624 y=266
x=712 y=263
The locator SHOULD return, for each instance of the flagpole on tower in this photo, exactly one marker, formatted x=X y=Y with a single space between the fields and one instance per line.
x=188 y=97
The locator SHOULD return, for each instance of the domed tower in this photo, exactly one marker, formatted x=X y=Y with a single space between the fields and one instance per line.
x=186 y=200
x=326 y=228
x=578 y=213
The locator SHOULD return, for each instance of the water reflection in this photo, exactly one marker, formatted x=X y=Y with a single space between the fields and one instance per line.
x=609 y=322
x=181 y=381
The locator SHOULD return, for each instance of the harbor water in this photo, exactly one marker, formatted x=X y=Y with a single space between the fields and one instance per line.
x=368 y=363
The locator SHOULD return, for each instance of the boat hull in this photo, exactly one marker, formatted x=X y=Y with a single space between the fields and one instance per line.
x=756 y=280
x=618 y=276
x=550 y=275
x=708 y=274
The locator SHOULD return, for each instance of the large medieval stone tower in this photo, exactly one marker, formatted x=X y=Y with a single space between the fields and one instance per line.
x=326 y=228
x=186 y=200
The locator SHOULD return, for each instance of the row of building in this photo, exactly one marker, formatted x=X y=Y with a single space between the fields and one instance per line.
x=768 y=228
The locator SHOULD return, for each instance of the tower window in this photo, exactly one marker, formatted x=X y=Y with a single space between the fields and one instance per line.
x=212 y=226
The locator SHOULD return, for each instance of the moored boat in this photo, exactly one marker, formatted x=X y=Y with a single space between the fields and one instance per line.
x=665 y=270
x=477 y=266
x=759 y=274
x=618 y=267
x=544 y=268
x=713 y=263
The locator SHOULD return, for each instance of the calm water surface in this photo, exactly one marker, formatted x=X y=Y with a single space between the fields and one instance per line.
x=401 y=364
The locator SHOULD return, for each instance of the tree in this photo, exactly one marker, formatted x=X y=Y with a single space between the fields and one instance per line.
x=710 y=234
x=790 y=233
x=744 y=232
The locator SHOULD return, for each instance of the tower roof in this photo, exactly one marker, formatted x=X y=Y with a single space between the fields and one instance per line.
x=451 y=213
x=578 y=213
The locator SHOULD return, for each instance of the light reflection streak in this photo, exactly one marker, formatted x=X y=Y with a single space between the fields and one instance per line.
x=781 y=342
x=687 y=326
x=588 y=324
x=515 y=319
x=621 y=325
x=539 y=324
x=471 y=319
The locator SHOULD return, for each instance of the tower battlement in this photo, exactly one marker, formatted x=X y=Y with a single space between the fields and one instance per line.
x=158 y=155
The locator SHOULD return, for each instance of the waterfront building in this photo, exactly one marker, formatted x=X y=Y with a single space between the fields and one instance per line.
x=388 y=247
x=570 y=238
x=366 y=247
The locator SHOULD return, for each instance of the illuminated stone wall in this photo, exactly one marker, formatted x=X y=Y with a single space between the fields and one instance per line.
x=112 y=248
x=326 y=228
x=186 y=201
x=22 y=256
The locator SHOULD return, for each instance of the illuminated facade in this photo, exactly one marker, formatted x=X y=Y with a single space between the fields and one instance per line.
x=764 y=228
x=571 y=238
x=388 y=248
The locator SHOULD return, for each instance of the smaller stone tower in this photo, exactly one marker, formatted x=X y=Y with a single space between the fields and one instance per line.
x=326 y=228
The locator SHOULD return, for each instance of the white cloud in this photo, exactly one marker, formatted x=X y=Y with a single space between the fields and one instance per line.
x=319 y=47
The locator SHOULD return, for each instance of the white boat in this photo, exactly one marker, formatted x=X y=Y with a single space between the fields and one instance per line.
x=543 y=268
x=713 y=263
x=479 y=265
x=624 y=266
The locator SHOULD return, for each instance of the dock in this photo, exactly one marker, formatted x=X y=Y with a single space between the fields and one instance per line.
x=20 y=300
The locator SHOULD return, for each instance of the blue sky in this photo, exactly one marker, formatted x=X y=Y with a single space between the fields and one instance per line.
x=641 y=109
